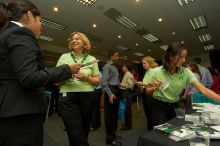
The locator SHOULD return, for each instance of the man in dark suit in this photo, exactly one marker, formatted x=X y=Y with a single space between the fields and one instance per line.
x=23 y=75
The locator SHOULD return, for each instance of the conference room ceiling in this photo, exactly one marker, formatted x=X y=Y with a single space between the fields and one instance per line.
x=143 y=15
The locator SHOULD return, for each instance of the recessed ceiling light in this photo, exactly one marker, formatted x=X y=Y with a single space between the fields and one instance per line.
x=198 y=22
x=94 y=25
x=149 y=50
x=55 y=9
x=182 y=42
x=119 y=36
x=160 y=19
x=137 y=44
x=137 y=1
x=173 y=33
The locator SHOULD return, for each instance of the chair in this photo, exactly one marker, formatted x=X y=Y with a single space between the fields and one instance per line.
x=200 y=98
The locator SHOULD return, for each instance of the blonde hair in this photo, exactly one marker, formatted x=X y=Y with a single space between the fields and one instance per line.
x=85 y=40
x=151 y=61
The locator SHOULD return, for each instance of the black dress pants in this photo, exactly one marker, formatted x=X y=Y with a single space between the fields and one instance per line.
x=127 y=94
x=111 y=113
x=161 y=112
x=76 y=109
x=96 y=119
x=147 y=109
x=23 y=130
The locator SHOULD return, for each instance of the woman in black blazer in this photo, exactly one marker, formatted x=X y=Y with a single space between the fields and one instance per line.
x=23 y=75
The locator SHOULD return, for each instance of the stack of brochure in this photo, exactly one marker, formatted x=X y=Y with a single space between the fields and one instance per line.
x=176 y=133
x=211 y=131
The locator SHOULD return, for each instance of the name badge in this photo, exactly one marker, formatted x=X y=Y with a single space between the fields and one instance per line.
x=64 y=94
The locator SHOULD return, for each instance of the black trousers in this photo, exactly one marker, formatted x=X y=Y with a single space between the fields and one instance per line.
x=76 y=109
x=111 y=113
x=96 y=119
x=147 y=109
x=127 y=94
x=161 y=112
x=23 y=130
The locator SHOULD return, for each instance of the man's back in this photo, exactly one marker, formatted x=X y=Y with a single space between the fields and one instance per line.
x=206 y=77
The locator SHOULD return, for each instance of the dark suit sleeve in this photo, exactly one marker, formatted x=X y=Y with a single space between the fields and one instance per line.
x=24 y=58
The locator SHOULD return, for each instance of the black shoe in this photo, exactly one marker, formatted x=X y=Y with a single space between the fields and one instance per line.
x=114 y=143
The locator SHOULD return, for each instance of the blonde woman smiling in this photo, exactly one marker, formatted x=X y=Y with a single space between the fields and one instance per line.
x=76 y=101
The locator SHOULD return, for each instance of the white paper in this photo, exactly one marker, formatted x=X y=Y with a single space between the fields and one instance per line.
x=90 y=63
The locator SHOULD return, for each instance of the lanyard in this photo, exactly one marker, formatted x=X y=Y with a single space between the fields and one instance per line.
x=74 y=58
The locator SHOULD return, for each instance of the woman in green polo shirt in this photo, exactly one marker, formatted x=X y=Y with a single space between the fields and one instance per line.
x=76 y=101
x=168 y=81
x=148 y=64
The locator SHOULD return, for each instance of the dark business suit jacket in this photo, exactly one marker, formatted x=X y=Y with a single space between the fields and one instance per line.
x=23 y=74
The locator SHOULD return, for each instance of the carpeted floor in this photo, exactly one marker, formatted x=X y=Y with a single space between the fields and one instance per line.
x=56 y=136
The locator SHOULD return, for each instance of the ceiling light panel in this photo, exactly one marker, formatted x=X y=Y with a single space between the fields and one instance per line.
x=124 y=58
x=53 y=24
x=150 y=37
x=87 y=3
x=46 y=38
x=205 y=38
x=138 y=54
x=198 y=22
x=120 y=18
x=122 y=48
x=135 y=61
x=184 y=2
x=147 y=35
x=209 y=47
x=164 y=47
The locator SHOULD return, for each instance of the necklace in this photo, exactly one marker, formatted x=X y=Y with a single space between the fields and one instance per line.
x=74 y=58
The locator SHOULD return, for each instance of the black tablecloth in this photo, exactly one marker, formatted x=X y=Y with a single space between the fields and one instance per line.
x=153 y=138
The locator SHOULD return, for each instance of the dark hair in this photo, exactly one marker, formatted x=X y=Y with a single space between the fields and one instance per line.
x=4 y=15
x=198 y=60
x=111 y=53
x=15 y=10
x=172 y=50
x=128 y=66
x=195 y=69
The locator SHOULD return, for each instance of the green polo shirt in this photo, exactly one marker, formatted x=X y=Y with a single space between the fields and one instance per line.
x=147 y=75
x=76 y=85
x=177 y=82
